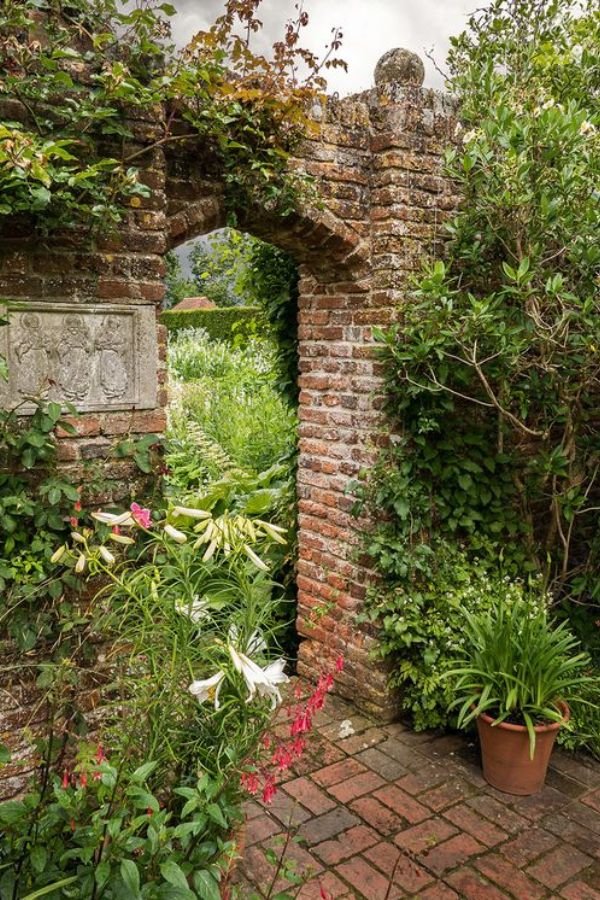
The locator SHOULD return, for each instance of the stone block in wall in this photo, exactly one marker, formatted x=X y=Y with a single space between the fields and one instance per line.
x=94 y=357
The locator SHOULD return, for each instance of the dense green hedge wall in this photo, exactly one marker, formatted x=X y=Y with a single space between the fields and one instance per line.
x=222 y=324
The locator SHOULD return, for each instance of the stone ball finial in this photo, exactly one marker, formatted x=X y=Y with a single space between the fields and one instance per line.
x=400 y=65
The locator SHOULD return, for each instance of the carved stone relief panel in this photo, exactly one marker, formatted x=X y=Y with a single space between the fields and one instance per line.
x=95 y=357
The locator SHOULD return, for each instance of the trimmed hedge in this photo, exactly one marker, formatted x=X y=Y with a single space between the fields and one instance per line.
x=222 y=324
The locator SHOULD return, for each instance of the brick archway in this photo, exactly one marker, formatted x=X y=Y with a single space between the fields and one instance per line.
x=376 y=159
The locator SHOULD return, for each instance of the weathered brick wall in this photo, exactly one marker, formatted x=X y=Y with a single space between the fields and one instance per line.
x=376 y=158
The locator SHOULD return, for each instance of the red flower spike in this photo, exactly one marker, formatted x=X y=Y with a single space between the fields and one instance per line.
x=339 y=664
x=66 y=780
x=83 y=781
x=269 y=790
x=250 y=782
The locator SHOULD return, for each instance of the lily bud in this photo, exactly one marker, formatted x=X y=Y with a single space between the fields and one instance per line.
x=80 y=564
x=120 y=538
x=107 y=556
x=191 y=512
x=175 y=534
x=258 y=562
x=78 y=537
x=58 y=554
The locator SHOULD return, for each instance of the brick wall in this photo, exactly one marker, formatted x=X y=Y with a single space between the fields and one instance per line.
x=376 y=159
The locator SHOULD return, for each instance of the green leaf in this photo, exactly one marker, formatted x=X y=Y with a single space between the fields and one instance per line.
x=131 y=876
x=172 y=873
x=143 y=772
x=51 y=888
x=206 y=886
x=38 y=857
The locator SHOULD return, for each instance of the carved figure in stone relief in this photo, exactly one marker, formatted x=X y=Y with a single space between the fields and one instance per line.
x=114 y=362
x=30 y=348
x=73 y=359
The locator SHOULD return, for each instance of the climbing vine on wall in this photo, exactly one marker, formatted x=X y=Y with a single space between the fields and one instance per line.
x=77 y=76
x=494 y=374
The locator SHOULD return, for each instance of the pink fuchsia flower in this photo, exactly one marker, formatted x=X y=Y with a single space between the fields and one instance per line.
x=66 y=780
x=77 y=506
x=83 y=780
x=250 y=782
x=269 y=790
x=142 y=516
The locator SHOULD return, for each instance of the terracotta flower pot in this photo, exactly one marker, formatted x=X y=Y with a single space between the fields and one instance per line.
x=507 y=765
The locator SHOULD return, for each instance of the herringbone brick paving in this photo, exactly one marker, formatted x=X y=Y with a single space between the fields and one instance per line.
x=385 y=813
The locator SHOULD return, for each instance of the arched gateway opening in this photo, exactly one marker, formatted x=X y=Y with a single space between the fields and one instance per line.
x=376 y=160
x=335 y=429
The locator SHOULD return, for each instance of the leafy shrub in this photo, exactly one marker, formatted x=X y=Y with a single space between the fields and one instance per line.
x=517 y=664
x=492 y=392
x=188 y=614
x=422 y=626
x=36 y=503
x=227 y=400
x=236 y=323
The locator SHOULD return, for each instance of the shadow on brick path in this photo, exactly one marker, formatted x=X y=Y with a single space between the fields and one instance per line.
x=387 y=813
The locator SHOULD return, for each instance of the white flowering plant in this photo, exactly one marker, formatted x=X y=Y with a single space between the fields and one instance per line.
x=195 y=616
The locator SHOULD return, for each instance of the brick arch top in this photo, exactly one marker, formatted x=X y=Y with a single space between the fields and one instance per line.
x=377 y=161
x=315 y=237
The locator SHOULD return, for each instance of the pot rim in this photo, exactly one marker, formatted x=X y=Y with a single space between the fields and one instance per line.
x=539 y=729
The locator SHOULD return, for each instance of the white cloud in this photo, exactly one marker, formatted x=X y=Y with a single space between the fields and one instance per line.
x=370 y=28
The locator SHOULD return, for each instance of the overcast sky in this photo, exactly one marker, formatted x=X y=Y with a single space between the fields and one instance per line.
x=370 y=28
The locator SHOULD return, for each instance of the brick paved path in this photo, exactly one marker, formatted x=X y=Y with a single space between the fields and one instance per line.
x=387 y=813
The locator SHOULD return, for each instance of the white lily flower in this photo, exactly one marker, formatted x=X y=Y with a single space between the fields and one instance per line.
x=107 y=556
x=207 y=688
x=196 y=610
x=191 y=512
x=175 y=534
x=110 y=519
x=256 y=642
x=58 y=554
x=261 y=681
x=469 y=136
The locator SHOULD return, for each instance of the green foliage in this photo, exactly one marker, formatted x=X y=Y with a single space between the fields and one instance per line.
x=106 y=833
x=177 y=286
x=218 y=266
x=239 y=322
x=186 y=598
x=270 y=280
x=517 y=665
x=78 y=76
x=231 y=442
x=36 y=502
x=230 y=395
x=492 y=376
